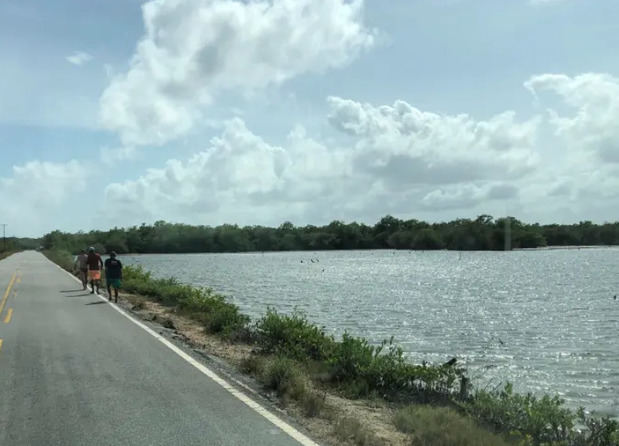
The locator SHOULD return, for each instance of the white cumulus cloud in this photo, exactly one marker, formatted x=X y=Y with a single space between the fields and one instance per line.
x=399 y=159
x=238 y=166
x=194 y=49
x=79 y=58
x=594 y=124
x=405 y=145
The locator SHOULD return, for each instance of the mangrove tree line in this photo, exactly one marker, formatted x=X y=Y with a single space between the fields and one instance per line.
x=482 y=233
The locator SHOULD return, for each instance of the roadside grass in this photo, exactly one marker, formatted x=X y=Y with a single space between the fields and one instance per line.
x=62 y=258
x=351 y=429
x=212 y=310
x=5 y=254
x=442 y=426
x=294 y=356
x=288 y=379
x=285 y=377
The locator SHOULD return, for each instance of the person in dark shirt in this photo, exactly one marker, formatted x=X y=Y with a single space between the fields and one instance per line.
x=94 y=269
x=113 y=275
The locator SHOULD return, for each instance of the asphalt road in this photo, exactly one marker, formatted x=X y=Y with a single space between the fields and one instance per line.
x=75 y=371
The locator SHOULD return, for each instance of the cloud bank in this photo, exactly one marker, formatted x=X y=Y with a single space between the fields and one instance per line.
x=393 y=156
x=195 y=49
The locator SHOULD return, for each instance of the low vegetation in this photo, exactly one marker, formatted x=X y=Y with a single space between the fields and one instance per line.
x=288 y=379
x=62 y=258
x=294 y=357
x=351 y=429
x=443 y=426
x=216 y=314
x=352 y=364
x=5 y=254
x=540 y=420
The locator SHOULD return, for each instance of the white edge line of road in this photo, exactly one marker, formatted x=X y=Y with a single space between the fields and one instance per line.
x=287 y=428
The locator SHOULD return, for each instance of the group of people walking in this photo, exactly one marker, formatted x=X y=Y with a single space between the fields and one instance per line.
x=90 y=266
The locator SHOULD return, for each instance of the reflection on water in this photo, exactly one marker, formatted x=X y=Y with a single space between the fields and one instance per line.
x=545 y=320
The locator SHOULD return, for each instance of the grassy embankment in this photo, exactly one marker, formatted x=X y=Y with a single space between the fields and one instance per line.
x=5 y=254
x=436 y=405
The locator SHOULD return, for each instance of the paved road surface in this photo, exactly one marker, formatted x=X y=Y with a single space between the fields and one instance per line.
x=74 y=371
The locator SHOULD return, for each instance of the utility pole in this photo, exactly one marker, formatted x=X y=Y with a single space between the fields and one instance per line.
x=3 y=236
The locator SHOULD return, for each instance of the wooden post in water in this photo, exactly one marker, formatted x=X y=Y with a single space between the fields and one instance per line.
x=464 y=388
x=508 y=234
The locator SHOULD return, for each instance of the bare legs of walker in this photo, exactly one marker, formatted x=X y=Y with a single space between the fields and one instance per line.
x=94 y=283
x=109 y=293
x=84 y=278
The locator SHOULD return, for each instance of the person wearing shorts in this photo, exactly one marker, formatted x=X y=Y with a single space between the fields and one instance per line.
x=113 y=275
x=94 y=269
x=81 y=264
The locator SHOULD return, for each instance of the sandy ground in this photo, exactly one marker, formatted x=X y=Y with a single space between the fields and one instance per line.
x=375 y=416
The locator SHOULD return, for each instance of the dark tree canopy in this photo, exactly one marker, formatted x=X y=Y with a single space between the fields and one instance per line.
x=482 y=233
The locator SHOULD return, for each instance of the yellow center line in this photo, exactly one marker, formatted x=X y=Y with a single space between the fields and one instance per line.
x=6 y=293
x=0 y=344
x=9 y=313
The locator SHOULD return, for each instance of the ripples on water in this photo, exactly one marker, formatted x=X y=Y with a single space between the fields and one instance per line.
x=545 y=320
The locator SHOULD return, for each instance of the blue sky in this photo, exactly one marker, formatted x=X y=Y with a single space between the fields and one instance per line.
x=117 y=112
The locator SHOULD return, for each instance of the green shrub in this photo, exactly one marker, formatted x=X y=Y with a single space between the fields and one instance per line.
x=358 y=368
x=225 y=318
x=441 y=426
x=253 y=365
x=217 y=315
x=212 y=310
x=285 y=377
x=597 y=432
x=364 y=368
x=293 y=336
x=544 y=420
x=353 y=358
x=540 y=421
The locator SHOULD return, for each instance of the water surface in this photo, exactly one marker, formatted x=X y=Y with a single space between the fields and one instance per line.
x=545 y=320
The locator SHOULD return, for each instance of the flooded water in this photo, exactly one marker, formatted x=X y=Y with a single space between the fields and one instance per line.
x=545 y=320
